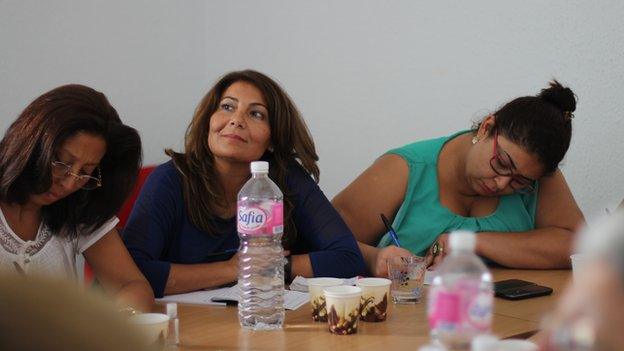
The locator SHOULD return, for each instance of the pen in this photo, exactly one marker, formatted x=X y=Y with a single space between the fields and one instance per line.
x=393 y=234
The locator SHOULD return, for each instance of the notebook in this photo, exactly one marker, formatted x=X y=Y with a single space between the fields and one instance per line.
x=230 y=295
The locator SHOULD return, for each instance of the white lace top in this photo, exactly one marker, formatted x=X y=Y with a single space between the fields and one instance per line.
x=47 y=254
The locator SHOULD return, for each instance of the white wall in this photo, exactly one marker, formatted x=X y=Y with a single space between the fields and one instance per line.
x=147 y=56
x=367 y=75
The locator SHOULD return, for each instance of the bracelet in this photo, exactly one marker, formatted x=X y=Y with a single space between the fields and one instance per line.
x=288 y=269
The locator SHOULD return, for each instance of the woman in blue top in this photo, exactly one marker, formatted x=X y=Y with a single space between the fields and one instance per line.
x=183 y=223
x=500 y=180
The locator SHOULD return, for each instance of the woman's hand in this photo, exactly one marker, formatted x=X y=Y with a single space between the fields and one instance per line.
x=437 y=251
x=381 y=266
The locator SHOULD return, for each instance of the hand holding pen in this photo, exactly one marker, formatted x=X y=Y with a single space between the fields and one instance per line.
x=393 y=234
x=380 y=267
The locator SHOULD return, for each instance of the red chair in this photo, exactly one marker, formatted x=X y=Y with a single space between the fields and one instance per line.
x=125 y=210
x=123 y=214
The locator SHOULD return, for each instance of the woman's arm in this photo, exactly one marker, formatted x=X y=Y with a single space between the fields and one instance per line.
x=156 y=218
x=378 y=190
x=549 y=245
x=117 y=273
x=327 y=244
x=191 y=277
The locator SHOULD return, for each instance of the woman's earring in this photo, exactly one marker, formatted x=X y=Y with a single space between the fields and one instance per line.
x=475 y=140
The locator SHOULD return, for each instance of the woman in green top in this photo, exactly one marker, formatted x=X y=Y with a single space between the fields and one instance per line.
x=500 y=179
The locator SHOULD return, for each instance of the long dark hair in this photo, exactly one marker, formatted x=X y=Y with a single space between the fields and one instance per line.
x=290 y=139
x=541 y=124
x=32 y=142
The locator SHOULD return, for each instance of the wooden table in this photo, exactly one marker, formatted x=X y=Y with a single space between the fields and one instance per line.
x=217 y=328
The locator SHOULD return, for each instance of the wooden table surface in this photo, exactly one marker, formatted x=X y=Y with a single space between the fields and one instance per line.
x=217 y=328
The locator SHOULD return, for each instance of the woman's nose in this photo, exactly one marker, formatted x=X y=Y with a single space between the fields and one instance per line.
x=69 y=182
x=502 y=181
x=237 y=119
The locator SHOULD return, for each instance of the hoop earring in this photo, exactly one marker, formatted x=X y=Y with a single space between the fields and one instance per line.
x=475 y=140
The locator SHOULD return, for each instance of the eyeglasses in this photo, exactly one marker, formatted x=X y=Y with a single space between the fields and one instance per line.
x=518 y=183
x=86 y=182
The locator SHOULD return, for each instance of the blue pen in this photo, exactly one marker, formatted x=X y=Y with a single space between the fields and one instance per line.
x=393 y=234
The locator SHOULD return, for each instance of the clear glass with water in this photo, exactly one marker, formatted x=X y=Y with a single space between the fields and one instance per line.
x=261 y=259
x=461 y=296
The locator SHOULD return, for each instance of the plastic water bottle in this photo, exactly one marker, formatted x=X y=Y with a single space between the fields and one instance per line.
x=461 y=295
x=261 y=261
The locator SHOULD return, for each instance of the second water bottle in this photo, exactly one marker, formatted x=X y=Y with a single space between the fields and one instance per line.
x=460 y=296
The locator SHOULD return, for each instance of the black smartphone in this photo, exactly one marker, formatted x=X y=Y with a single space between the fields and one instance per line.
x=517 y=289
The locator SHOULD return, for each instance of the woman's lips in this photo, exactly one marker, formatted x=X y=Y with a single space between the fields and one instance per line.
x=234 y=137
x=487 y=189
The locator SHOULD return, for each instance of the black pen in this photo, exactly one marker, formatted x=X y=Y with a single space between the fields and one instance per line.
x=393 y=234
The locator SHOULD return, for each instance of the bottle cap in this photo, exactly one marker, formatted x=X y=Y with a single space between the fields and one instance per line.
x=259 y=167
x=462 y=240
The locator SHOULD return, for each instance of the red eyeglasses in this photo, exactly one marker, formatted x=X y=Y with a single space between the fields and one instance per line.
x=518 y=183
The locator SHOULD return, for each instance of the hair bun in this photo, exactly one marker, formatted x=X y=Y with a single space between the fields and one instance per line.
x=562 y=97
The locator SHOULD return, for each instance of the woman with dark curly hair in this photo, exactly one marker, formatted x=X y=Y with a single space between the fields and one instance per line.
x=500 y=179
x=66 y=166
x=182 y=230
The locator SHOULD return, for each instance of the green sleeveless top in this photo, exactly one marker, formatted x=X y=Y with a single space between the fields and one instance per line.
x=422 y=218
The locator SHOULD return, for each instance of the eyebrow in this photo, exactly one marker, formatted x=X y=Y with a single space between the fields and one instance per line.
x=74 y=157
x=252 y=104
x=513 y=164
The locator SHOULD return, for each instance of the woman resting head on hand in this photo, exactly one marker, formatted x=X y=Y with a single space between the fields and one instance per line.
x=500 y=179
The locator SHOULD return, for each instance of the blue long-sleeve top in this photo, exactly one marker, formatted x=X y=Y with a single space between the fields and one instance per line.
x=159 y=231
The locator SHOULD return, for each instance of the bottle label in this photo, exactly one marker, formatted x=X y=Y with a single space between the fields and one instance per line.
x=266 y=218
x=464 y=309
x=444 y=311
x=480 y=311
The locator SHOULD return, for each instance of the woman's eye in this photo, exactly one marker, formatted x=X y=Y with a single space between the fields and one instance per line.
x=502 y=164
x=86 y=172
x=257 y=114
x=227 y=106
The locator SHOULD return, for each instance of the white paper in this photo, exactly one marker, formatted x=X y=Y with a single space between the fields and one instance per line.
x=301 y=284
x=292 y=299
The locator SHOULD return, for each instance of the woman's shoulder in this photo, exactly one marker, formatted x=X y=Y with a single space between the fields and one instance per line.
x=166 y=172
x=423 y=151
x=297 y=175
x=163 y=181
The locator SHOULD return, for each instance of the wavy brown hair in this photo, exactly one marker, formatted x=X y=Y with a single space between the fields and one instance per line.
x=290 y=139
x=32 y=142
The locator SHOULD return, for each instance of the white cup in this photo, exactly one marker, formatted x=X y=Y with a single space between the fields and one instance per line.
x=343 y=308
x=375 y=295
x=154 y=326
x=317 y=298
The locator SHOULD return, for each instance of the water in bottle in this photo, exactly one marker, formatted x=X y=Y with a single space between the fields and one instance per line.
x=260 y=221
x=461 y=295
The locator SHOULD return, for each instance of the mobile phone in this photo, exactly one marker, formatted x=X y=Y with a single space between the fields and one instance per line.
x=517 y=289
